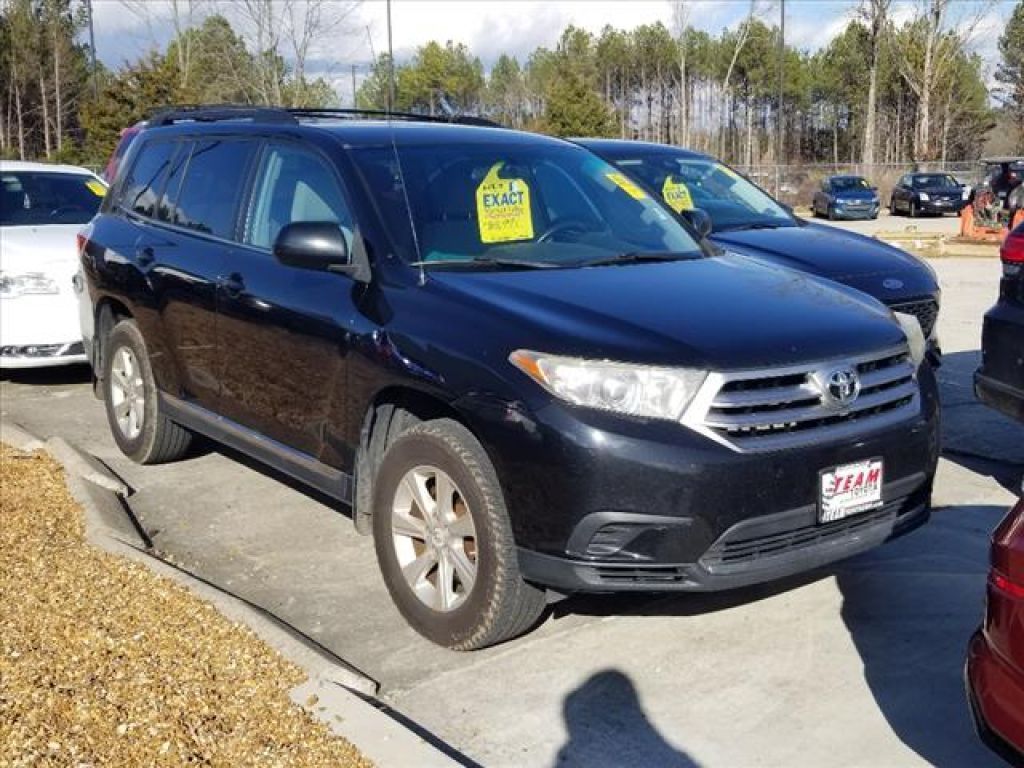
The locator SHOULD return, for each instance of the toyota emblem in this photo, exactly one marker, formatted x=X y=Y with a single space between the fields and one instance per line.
x=892 y=283
x=842 y=386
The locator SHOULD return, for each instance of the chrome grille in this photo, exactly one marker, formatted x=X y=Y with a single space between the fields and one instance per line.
x=926 y=312
x=776 y=409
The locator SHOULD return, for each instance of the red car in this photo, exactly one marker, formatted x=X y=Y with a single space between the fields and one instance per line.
x=127 y=136
x=995 y=656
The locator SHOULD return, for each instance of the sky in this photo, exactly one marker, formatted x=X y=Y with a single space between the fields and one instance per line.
x=126 y=29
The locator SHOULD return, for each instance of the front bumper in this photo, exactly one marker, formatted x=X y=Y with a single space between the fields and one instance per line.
x=856 y=210
x=995 y=694
x=39 y=330
x=601 y=503
x=940 y=207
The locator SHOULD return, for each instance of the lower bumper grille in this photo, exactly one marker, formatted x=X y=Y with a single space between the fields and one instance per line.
x=744 y=547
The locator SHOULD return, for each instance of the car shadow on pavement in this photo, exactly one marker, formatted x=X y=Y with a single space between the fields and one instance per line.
x=607 y=726
x=79 y=373
x=910 y=608
x=975 y=436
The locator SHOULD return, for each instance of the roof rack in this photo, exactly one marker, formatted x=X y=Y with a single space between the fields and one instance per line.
x=379 y=113
x=210 y=113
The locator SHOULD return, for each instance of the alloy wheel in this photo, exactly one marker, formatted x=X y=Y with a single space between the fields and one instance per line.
x=127 y=392
x=434 y=538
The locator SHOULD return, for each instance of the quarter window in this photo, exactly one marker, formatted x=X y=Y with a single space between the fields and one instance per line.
x=144 y=183
x=214 y=178
x=294 y=185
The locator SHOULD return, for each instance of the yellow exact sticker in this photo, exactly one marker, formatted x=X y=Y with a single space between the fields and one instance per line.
x=626 y=186
x=728 y=171
x=96 y=188
x=677 y=195
x=503 y=208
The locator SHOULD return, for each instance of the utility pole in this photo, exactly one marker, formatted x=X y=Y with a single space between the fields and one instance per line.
x=779 y=120
x=92 y=50
x=391 y=65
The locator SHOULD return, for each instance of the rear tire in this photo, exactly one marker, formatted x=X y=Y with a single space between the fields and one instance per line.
x=140 y=429
x=449 y=559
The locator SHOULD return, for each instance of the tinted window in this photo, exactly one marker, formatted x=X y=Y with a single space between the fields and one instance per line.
x=294 y=185
x=145 y=181
x=167 y=210
x=214 y=177
x=48 y=198
x=934 y=180
x=846 y=183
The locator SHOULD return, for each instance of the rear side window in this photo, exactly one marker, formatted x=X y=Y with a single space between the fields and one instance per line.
x=214 y=178
x=144 y=183
x=168 y=208
x=294 y=185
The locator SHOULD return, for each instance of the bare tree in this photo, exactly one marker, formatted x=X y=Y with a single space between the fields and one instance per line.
x=941 y=45
x=743 y=34
x=874 y=14
x=681 y=25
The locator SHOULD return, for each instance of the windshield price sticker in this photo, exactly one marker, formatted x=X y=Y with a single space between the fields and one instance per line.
x=626 y=186
x=729 y=172
x=503 y=208
x=677 y=195
x=96 y=188
x=850 y=489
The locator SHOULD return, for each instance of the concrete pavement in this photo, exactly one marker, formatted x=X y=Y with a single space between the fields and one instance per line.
x=855 y=665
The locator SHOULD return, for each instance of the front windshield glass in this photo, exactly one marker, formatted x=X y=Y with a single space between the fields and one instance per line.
x=927 y=180
x=33 y=198
x=849 y=183
x=692 y=182
x=534 y=204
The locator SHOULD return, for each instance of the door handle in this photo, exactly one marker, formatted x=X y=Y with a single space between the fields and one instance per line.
x=144 y=256
x=232 y=284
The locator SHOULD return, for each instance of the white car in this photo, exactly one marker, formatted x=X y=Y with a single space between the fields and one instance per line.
x=42 y=209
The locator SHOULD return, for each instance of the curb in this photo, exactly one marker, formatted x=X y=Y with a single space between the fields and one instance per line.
x=336 y=694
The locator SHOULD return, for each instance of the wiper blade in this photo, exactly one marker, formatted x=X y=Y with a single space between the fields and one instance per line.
x=632 y=257
x=488 y=261
x=752 y=225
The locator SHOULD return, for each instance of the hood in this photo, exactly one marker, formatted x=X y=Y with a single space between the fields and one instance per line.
x=51 y=248
x=721 y=313
x=864 y=263
x=940 y=190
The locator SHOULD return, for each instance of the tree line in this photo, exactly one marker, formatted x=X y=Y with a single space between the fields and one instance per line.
x=879 y=92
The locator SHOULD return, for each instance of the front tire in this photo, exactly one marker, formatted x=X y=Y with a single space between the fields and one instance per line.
x=140 y=429
x=831 y=213
x=914 y=213
x=444 y=542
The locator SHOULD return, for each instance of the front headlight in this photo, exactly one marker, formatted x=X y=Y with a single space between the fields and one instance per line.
x=924 y=197
x=633 y=390
x=915 y=336
x=30 y=282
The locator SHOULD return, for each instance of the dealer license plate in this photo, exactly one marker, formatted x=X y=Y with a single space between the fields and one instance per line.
x=849 y=490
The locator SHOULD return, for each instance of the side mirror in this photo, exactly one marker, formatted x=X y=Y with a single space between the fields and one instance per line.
x=700 y=220
x=315 y=245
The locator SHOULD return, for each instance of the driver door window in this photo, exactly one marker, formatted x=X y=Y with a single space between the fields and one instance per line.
x=294 y=185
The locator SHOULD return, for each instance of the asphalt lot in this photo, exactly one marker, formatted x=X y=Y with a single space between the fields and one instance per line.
x=925 y=225
x=859 y=664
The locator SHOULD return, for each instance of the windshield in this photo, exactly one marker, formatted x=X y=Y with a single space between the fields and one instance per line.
x=849 y=183
x=33 y=198
x=685 y=183
x=933 y=180
x=532 y=204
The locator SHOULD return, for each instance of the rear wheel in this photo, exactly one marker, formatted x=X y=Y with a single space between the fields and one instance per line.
x=140 y=429
x=444 y=542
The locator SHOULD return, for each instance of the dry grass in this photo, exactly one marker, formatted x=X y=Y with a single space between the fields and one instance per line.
x=104 y=663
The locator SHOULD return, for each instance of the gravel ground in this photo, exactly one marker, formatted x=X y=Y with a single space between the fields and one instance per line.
x=103 y=663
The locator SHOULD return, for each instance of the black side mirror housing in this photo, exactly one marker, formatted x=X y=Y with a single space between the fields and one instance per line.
x=318 y=246
x=700 y=220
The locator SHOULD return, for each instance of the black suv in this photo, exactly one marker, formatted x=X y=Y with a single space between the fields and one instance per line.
x=516 y=366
